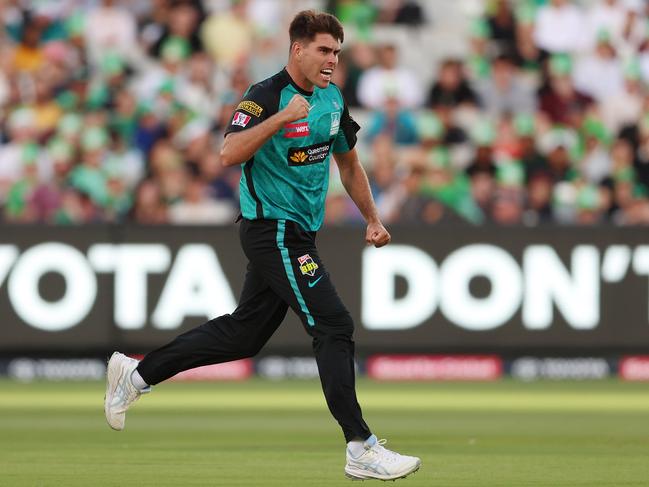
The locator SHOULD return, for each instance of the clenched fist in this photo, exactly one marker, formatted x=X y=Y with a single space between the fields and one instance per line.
x=297 y=109
x=377 y=235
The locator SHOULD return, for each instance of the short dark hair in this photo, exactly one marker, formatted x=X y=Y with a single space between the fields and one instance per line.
x=306 y=24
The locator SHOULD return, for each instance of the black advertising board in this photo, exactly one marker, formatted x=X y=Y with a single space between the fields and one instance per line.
x=433 y=289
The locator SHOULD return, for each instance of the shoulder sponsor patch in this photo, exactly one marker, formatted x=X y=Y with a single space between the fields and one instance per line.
x=241 y=119
x=307 y=265
x=251 y=107
x=312 y=154
x=292 y=130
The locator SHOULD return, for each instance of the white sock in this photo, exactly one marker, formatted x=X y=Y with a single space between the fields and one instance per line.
x=138 y=381
x=357 y=447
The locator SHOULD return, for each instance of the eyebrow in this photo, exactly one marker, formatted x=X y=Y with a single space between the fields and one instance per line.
x=328 y=49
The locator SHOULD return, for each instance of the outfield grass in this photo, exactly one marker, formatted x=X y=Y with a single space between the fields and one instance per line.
x=263 y=433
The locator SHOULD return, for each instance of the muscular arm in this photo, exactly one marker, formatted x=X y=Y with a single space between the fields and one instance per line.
x=238 y=147
x=357 y=186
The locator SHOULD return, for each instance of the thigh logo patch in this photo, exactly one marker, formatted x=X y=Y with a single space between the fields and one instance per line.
x=307 y=265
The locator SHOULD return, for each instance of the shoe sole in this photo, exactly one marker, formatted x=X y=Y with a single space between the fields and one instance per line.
x=359 y=475
x=113 y=376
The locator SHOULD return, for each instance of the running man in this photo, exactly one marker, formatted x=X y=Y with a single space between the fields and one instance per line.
x=284 y=132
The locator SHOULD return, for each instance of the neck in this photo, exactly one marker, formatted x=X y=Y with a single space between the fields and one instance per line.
x=298 y=77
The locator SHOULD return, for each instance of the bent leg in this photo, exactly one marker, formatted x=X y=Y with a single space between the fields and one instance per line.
x=223 y=339
x=295 y=272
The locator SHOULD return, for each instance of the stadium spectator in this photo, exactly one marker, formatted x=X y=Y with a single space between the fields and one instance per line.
x=451 y=88
x=539 y=199
x=21 y=125
x=358 y=14
x=483 y=136
x=527 y=54
x=182 y=21
x=402 y=12
x=623 y=108
x=196 y=207
x=558 y=146
x=149 y=207
x=389 y=80
x=600 y=74
x=478 y=60
x=559 y=99
x=415 y=206
x=228 y=36
x=505 y=92
x=508 y=205
x=502 y=24
x=640 y=170
x=394 y=121
x=595 y=162
x=483 y=185
x=109 y=28
x=611 y=16
x=358 y=58
x=559 y=27
x=160 y=81
x=385 y=178
x=28 y=55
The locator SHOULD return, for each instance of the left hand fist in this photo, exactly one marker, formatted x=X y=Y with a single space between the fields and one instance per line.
x=377 y=235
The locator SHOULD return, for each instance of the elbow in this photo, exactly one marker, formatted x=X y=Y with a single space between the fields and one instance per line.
x=226 y=157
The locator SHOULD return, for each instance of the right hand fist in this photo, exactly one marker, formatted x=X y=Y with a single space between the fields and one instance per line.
x=297 y=109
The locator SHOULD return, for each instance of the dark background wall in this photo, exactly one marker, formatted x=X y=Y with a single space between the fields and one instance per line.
x=442 y=289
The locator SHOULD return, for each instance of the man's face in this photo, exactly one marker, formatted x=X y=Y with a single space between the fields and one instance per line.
x=318 y=59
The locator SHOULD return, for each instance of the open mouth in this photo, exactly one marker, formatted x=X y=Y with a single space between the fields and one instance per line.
x=326 y=74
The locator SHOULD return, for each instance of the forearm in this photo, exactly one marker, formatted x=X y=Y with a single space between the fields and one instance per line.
x=357 y=186
x=238 y=147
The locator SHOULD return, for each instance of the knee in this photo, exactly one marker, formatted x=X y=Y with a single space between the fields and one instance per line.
x=340 y=325
x=250 y=350
x=340 y=344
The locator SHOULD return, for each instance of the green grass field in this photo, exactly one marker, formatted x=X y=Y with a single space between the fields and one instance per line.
x=263 y=433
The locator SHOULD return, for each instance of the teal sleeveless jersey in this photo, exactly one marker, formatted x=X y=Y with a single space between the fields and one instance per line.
x=288 y=177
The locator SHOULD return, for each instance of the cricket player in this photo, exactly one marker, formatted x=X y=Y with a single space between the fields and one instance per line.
x=284 y=132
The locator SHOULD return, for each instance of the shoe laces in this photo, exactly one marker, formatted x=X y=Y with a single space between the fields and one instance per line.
x=383 y=453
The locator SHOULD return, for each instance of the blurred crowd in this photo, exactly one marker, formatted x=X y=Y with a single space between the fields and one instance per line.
x=113 y=111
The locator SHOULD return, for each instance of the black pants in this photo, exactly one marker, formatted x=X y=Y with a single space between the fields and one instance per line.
x=284 y=269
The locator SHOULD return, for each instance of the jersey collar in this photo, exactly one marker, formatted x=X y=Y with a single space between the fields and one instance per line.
x=290 y=80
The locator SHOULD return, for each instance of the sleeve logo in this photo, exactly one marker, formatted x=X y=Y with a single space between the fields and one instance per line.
x=241 y=119
x=251 y=107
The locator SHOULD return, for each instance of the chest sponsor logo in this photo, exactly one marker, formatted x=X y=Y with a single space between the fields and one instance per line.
x=241 y=119
x=335 y=123
x=307 y=265
x=312 y=154
x=251 y=107
x=293 y=130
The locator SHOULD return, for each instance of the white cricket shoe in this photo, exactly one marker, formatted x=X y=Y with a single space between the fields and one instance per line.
x=377 y=462
x=120 y=391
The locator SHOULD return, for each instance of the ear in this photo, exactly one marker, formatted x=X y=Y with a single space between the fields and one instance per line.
x=296 y=49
